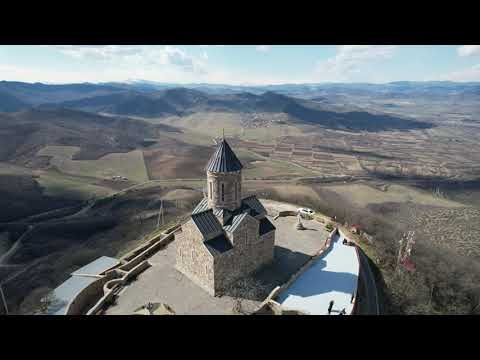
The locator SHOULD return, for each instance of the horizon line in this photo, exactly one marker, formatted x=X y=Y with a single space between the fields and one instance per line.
x=153 y=82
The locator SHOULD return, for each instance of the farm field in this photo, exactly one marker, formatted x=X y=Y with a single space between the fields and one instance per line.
x=258 y=126
x=62 y=185
x=444 y=152
x=363 y=194
x=130 y=165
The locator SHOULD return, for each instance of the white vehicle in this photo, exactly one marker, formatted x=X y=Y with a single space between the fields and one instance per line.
x=306 y=213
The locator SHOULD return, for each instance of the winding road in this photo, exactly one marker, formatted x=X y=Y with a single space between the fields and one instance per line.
x=368 y=302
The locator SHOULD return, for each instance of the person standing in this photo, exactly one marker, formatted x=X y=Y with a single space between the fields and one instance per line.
x=330 y=307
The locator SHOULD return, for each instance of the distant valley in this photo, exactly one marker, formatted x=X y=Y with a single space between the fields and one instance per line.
x=88 y=164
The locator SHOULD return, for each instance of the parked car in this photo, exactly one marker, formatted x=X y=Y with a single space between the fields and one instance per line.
x=306 y=213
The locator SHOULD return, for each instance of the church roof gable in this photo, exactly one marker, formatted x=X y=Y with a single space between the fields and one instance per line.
x=236 y=220
x=201 y=206
x=265 y=226
x=218 y=244
x=224 y=159
x=223 y=215
x=253 y=203
x=207 y=223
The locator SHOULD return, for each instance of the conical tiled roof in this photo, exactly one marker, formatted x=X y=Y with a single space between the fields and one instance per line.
x=224 y=159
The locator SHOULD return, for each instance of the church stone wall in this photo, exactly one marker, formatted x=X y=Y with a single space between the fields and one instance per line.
x=246 y=256
x=193 y=259
x=229 y=181
x=215 y=273
x=245 y=233
x=267 y=249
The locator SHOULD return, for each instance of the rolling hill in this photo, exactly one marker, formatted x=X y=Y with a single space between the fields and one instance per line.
x=182 y=101
x=38 y=93
x=300 y=102
x=9 y=103
x=25 y=132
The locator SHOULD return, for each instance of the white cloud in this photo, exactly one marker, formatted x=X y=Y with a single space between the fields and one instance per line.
x=170 y=55
x=98 y=52
x=135 y=55
x=467 y=50
x=351 y=60
x=263 y=48
x=469 y=74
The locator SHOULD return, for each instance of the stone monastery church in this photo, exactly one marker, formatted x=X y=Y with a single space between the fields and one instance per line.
x=227 y=237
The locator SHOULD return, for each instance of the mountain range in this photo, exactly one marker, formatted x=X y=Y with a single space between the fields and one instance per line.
x=130 y=100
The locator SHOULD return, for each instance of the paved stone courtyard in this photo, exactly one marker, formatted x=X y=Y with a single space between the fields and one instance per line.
x=162 y=283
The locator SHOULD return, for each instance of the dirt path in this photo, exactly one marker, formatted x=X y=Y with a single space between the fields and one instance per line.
x=15 y=247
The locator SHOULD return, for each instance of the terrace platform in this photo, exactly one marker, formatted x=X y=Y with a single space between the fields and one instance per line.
x=164 y=284
x=332 y=277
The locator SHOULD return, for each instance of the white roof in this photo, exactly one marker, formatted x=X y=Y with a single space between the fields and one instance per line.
x=98 y=266
x=79 y=280
x=333 y=276
x=66 y=292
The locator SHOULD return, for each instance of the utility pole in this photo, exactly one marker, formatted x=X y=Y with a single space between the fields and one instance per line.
x=163 y=219
x=431 y=296
x=4 y=300
x=160 y=214
x=399 y=258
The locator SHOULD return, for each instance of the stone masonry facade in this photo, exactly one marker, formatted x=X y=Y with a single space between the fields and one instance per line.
x=231 y=184
x=227 y=237
x=193 y=259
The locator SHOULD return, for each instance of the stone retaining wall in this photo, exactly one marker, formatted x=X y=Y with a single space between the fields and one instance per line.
x=112 y=280
x=148 y=252
x=110 y=288
x=133 y=253
x=285 y=213
x=85 y=296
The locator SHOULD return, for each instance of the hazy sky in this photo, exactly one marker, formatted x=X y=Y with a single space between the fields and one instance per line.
x=235 y=64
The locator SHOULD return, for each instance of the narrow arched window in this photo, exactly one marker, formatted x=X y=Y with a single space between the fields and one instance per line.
x=223 y=192
x=236 y=191
x=211 y=190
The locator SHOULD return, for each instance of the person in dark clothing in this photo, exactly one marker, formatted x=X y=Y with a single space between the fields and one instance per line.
x=330 y=307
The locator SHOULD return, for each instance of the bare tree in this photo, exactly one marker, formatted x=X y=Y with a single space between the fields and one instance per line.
x=49 y=303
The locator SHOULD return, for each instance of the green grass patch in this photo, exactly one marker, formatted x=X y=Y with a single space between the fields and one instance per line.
x=64 y=152
x=71 y=187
